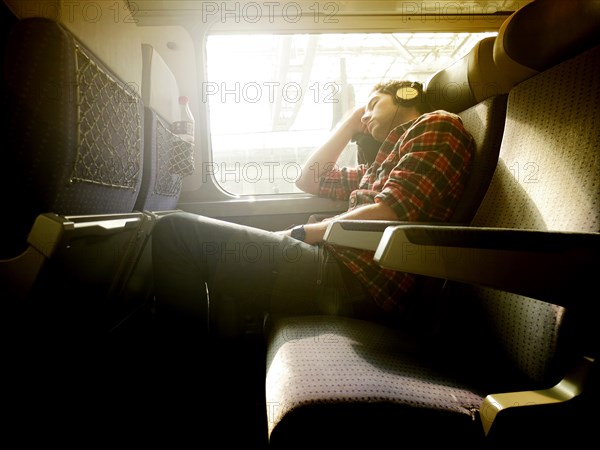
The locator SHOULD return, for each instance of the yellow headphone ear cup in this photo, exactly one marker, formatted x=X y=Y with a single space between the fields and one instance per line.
x=407 y=93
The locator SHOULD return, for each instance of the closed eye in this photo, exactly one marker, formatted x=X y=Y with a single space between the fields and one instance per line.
x=371 y=104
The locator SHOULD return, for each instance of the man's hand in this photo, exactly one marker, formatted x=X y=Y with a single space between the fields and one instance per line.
x=326 y=156
x=354 y=121
x=315 y=232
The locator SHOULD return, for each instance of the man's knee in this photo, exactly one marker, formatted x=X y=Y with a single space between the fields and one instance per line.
x=173 y=233
x=167 y=225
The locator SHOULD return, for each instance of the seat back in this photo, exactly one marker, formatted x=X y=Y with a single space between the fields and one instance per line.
x=546 y=179
x=168 y=158
x=542 y=181
x=485 y=122
x=476 y=91
x=74 y=162
x=75 y=133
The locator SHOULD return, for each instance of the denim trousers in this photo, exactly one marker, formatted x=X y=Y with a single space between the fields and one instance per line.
x=210 y=273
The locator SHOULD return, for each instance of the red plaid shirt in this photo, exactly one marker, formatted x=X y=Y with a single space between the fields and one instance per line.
x=420 y=172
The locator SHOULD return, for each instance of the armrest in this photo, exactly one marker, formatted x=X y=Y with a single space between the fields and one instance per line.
x=363 y=234
x=50 y=229
x=552 y=266
x=504 y=406
x=360 y=234
x=52 y=234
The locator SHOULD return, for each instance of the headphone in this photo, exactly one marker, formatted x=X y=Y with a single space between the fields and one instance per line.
x=408 y=95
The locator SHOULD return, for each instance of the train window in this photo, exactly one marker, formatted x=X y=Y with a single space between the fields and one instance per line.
x=273 y=98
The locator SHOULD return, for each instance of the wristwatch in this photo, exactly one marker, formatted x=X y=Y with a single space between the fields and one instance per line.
x=299 y=233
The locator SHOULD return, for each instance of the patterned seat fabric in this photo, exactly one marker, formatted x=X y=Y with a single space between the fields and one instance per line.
x=485 y=122
x=318 y=366
x=168 y=160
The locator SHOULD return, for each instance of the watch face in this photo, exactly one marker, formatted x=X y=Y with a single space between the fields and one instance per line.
x=298 y=233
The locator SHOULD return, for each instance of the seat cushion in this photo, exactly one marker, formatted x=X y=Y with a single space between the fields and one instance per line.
x=331 y=378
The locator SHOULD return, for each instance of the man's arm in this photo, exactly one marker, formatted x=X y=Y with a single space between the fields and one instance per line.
x=376 y=211
x=324 y=158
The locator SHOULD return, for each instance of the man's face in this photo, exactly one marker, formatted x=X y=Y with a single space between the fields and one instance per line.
x=382 y=115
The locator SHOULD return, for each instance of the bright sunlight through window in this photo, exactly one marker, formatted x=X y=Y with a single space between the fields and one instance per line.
x=274 y=98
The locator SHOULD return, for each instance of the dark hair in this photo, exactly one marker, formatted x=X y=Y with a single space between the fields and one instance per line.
x=391 y=88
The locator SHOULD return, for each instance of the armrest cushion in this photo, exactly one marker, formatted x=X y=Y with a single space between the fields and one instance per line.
x=552 y=266
x=363 y=234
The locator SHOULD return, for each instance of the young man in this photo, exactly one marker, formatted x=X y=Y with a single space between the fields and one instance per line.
x=202 y=264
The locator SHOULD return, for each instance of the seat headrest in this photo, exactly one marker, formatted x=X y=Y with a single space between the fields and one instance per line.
x=468 y=81
x=544 y=33
x=449 y=88
x=106 y=27
x=160 y=91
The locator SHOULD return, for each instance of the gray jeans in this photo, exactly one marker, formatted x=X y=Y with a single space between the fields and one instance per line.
x=227 y=276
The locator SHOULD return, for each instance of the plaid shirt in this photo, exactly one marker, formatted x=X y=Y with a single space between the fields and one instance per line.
x=420 y=172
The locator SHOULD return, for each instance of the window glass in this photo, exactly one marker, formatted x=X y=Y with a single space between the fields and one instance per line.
x=273 y=99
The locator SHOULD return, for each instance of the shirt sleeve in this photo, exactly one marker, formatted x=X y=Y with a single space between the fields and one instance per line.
x=340 y=182
x=436 y=156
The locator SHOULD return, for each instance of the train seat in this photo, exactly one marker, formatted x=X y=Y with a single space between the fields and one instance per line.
x=515 y=316
x=74 y=161
x=65 y=86
x=168 y=158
